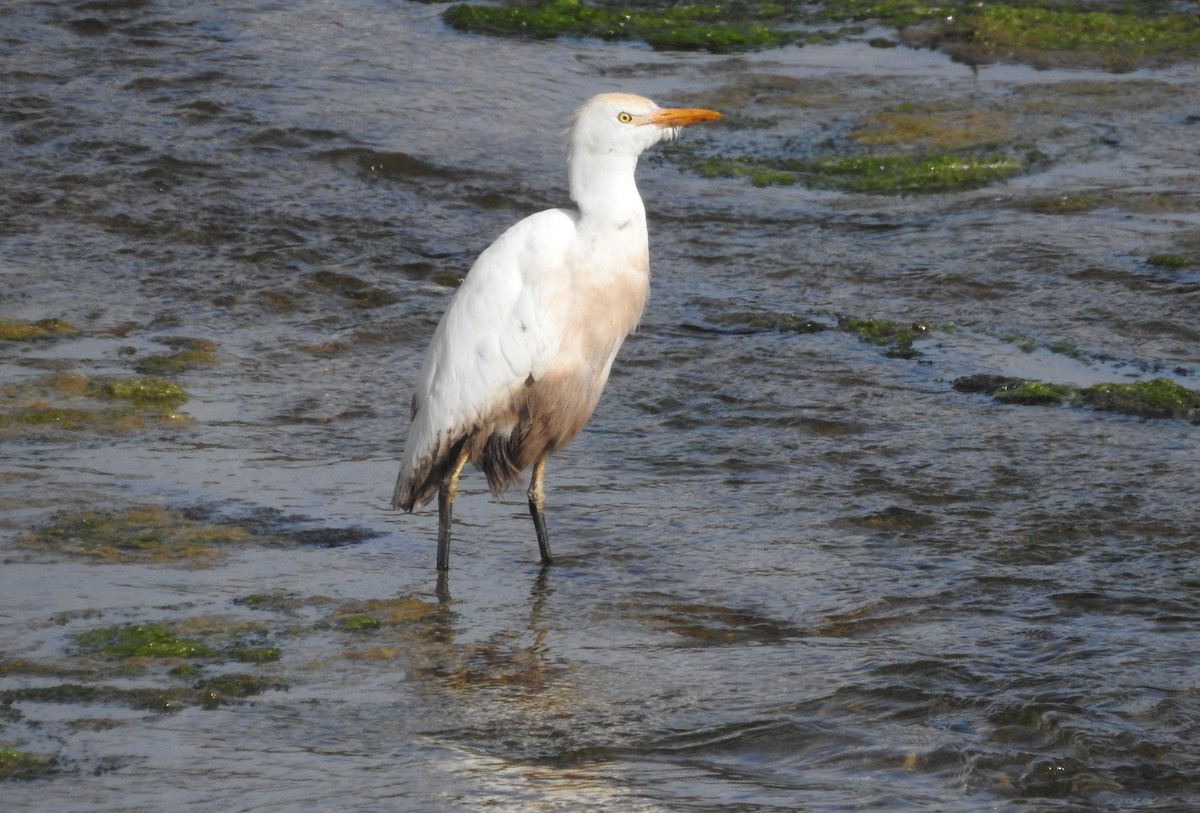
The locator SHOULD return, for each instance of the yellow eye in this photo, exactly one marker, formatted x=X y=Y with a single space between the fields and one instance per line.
x=624 y=118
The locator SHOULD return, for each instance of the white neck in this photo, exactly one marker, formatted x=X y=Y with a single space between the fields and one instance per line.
x=603 y=186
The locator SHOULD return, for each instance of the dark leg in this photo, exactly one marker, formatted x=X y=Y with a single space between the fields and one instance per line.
x=445 y=509
x=537 y=502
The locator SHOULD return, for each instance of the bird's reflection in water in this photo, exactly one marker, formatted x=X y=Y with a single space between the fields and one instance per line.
x=508 y=658
x=539 y=593
x=442 y=589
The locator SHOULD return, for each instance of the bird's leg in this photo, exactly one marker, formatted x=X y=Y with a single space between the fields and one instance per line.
x=446 y=494
x=537 y=502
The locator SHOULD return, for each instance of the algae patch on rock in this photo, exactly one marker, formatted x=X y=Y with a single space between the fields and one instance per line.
x=1034 y=393
x=145 y=391
x=686 y=26
x=222 y=688
x=142 y=641
x=897 y=337
x=1040 y=33
x=18 y=330
x=197 y=536
x=1112 y=36
x=187 y=354
x=878 y=174
x=933 y=127
x=164 y=699
x=16 y=764
x=1159 y=398
x=1167 y=260
x=142 y=534
x=75 y=402
x=204 y=638
x=1111 y=39
x=359 y=623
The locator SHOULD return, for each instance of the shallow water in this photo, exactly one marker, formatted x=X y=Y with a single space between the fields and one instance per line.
x=794 y=572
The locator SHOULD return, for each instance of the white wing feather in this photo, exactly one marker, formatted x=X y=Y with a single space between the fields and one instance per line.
x=495 y=334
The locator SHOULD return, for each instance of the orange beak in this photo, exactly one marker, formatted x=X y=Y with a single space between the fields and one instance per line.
x=681 y=116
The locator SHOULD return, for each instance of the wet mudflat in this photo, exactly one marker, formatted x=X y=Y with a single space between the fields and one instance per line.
x=893 y=503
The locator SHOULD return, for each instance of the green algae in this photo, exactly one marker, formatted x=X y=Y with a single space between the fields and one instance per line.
x=1064 y=348
x=1067 y=33
x=1026 y=344
x=157 y=641
x=1116 y=39
x=878 y=332
x=74 y=402
x=206 y=692
x=359 y=623
x=159 y=700
x=769 y=320
x=253 y=654
x=267 y=601
x=1023 y=30
x=894 y=174
x=140 y=534
x=897 y=13
x=188 y=354
x=1034 y=393
x=16 y=764
x=897 y=337
x=220 y=689
x=1168 y=261
x=876 y=174
x=181 y=663
x=141 y=391
x=40 y=415
x=686 y=26
x=1158 y=398
x=288 y=604
x=373 y=614
x=188 y=662
x=142 y=641
x=18 y=330
x=738 y=322
x=720 y=38
x=932 y=128
x=760 y=172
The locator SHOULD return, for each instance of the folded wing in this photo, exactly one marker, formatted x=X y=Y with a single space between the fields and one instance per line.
x=495 y=337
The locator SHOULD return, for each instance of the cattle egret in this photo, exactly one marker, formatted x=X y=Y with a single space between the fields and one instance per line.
x=522 y=353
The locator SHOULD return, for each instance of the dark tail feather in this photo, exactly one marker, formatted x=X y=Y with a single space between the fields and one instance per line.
x=504 y=456
x=500 y=461
x=424 y=483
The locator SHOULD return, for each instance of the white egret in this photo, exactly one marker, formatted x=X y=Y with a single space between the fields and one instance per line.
x=521 y=355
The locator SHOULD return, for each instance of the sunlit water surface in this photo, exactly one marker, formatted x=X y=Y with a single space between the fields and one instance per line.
x=795 y=573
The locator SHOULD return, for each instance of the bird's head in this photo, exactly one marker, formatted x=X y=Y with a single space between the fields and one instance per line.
x=628 y=124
